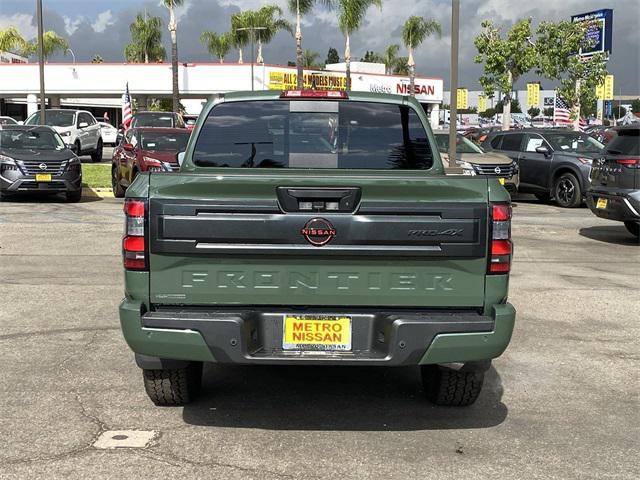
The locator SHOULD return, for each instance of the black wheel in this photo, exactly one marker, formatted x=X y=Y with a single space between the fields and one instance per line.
x=173 y=387
x=73 y=197
x=451 y=388
x=543 y=197
x=118 y=190
x=97 y=155
x=633 y=228
x=566 y=191
x=78 y=148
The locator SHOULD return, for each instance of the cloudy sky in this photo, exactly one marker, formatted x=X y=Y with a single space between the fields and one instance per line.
x=102 y=27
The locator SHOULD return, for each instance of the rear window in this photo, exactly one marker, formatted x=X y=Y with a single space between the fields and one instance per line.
x=313 y=134
x=512 y=142
x=626 y=143
x=153 y=120
x=161 y=141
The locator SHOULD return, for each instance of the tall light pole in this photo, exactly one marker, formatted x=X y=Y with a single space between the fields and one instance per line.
x=41 y=61
x=453 y=107
x=252 y=30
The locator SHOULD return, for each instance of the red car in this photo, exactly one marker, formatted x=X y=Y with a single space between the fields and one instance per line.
x=190 y=121
x=146 y=149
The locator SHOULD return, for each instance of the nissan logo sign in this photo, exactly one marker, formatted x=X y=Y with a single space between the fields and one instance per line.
x=42 y=166
x=497 y=170
x=318 y=232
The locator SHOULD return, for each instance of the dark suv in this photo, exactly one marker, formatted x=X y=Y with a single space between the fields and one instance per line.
x=553 y=163
x=615 y=180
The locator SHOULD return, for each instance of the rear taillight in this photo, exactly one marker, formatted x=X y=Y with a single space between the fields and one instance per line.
x=501 y=247
x=629 y=162
x=134 y=243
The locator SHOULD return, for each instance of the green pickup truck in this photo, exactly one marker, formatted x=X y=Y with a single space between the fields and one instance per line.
x=316 y=228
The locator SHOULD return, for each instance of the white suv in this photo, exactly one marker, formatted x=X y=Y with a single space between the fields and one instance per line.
x=76 y=127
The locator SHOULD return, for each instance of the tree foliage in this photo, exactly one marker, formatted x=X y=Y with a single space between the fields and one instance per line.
x=218 y=45
x=146 y=40
x=52 y=43
x=558 y=46
x=266 y=22
x=416 y=29
x=97 y=59
x=372 y=57
x=332 y=56
x=11 y=40
x=309 y=58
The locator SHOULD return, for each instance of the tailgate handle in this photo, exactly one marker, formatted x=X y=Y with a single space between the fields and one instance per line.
x=300 y=199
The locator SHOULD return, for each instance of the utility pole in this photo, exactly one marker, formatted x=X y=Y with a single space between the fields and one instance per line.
x=43 y=102
x=453 y=107
x=253 y=41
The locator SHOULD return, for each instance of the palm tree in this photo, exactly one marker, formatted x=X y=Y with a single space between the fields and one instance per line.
x=402 y=66
x=173 y=27
x=97 y=59
x=415 y=30
x=240 y=38
x=11 y=40
x=51 y=43
x=309 y=58
x=300 y=8
x=218 y=45
x=390 y=57
x=146 y=40
x=270 y=19
x=351 y=13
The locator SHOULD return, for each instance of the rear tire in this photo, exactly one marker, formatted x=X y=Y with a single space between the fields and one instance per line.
x=78 y=149
x=73 y=197
x=633 y=228
x=173 y=387
x=118 y=190
x=97 y=155
x=451 y=388
x=566 y=191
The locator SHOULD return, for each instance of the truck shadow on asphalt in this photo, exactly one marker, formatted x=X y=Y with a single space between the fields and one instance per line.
x=333 y=398
x=46 y=198
x=617 y=235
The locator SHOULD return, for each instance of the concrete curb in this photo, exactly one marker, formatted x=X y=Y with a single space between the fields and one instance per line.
x=97 y=192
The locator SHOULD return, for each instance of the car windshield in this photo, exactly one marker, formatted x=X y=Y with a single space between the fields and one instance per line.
x=574 y=142
x=166 y=142
x=31 y=139
x=53 y=118
x=153 y=120
x=463 y=144
x=313 y=134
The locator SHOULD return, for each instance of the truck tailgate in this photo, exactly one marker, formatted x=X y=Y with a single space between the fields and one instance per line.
x=232 y=239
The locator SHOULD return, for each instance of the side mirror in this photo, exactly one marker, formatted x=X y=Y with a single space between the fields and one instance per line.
x=181 y=158
x=128 y=147
x=83 y=125
x=544 y=151
x=72 y=147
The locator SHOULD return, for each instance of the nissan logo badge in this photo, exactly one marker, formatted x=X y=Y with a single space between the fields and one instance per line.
x=42 y=166
x=318 y=232
x=497 y=170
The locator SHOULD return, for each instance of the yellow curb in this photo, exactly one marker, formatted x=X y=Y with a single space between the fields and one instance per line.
x=97 y=192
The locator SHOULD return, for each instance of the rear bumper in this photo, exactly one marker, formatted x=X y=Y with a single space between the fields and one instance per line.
x=254 y=337
x=622 y=205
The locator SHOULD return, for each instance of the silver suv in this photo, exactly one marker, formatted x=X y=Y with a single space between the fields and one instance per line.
x=78 y=128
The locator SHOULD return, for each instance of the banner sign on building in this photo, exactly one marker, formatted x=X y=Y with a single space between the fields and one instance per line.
x=463 y=99
x=533 y=94
x=426 y=89
x=482 y=103
x=600 y=30
x=549 y=101
x=287 y=80
x=608 y=87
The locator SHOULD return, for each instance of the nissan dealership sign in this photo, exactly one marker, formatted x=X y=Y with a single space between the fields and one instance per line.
x=429 y=90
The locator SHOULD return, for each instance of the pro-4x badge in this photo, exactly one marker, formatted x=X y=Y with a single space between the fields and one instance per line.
x=318 y=232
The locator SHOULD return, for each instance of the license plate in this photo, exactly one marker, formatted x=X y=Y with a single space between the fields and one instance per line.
x=316 y=332
x=602 y=203
x=43 y=177
x=501 y=180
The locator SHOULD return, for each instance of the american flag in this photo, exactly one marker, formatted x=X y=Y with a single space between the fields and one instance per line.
x=561 y=112
x=126 y=109
x=583 y=124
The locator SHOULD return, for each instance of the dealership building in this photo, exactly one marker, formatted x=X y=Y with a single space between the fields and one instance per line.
x=99 y=87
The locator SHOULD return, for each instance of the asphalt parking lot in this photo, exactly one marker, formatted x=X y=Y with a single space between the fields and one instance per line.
x=562 y=402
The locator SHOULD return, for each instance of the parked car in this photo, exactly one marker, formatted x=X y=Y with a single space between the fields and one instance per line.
x=601 y=133
x=8 y=121
x=146 y=149
x=473 y=160
x=478 y=134
x=36 y=159
x=553 y=163
x=155 y=120
x=615 y=180
x=190 y=121
x=109 y=133
x=76 y=127
x=316 y=228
